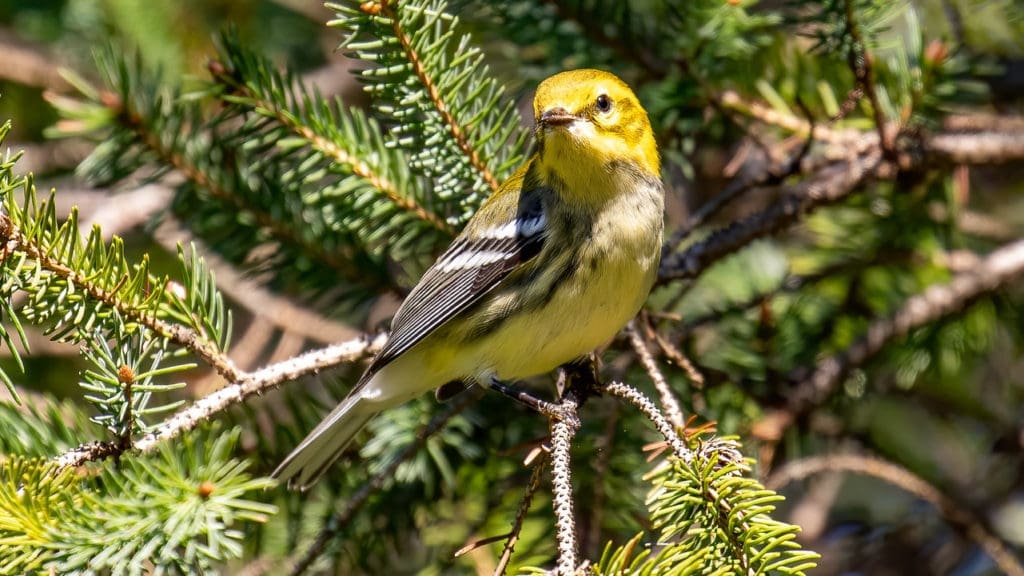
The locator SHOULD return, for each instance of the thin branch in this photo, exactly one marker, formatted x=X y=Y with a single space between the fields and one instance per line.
x=247 y=385
x=458 y=132
x=988 y=147
x=860 y=63
x=517 y=524
x=936 y=302
x=29 y=64
x=649 y=409
x=762 y=113
x=951 y=510
x=261 y=302
x=339 y=521
x=830 y=185
x=668 y=399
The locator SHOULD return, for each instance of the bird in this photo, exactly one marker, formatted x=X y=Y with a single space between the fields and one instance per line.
x=551 y=266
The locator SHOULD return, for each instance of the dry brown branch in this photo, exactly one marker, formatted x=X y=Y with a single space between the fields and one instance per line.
x=676 y=355
x=830 y=185
x=275 y=308
x=45 y=157
x=988 y=147
x=517 y=524
x=934 y=303
x=29 y=64
x=951 y=510
x=788 y=122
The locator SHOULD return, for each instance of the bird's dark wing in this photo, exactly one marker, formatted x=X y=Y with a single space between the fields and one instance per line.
x=470 y=268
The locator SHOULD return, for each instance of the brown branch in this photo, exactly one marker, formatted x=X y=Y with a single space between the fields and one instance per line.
x=936 y=302
x=987 y=147
x=340 y=520
x=950 y=509
x=458 y=132
x=830 y=185
x=29 y=64
x=517 y=524
x=277 y=309
x=767 y=115
x=860 y=63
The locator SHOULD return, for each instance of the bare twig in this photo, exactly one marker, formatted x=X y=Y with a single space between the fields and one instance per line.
x=29 y=64
x=676 y=355
x=645 y=405
x=988 y=147
x=950 y=509
x=517 y=524
x=668 y=399
x=275 y=308
x=787 y=122
x=339 y=521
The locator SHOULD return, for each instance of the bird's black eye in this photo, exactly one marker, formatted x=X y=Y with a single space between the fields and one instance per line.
x=604 y=103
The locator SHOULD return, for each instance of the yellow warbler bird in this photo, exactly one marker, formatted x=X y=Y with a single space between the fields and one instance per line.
x=551 y=267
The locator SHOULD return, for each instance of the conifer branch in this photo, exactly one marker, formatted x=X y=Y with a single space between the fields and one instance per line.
x=281 y=230
x=458 y=132
x=202 y=347
x=237 y=391
x=247 y=90
x=339 y=521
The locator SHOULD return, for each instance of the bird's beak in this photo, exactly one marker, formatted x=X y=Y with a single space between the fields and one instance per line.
x=556 y=117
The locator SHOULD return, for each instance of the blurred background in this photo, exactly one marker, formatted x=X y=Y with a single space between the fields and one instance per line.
x=912 y=463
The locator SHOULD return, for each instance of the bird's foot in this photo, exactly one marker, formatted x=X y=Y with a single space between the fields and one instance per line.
x=549 y=409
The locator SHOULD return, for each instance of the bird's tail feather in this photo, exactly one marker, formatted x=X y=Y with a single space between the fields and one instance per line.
x=315 y=454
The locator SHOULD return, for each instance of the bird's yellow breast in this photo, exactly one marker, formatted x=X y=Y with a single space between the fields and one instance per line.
x=613 y=274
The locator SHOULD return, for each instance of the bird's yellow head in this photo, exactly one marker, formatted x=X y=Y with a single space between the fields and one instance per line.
x=591 y=121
